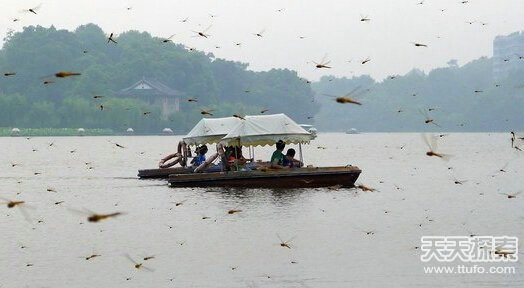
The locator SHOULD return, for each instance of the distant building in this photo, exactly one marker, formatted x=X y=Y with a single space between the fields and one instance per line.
x=508 y=53
x=156 y=93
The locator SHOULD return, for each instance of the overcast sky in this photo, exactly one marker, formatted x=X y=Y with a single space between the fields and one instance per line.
x=330 y=28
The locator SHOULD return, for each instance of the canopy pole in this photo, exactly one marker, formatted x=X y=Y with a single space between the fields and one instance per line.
x=236 y=154
x=300 y=152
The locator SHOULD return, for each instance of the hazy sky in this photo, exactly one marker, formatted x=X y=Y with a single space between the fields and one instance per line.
x=331 y=28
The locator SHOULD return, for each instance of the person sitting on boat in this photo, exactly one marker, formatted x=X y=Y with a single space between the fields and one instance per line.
x=277 y=159
x=200 y=157
x=235 y=159
x=289 y=159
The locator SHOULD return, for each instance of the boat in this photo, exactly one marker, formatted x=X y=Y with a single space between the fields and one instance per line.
x=307 y=177
x=163 y=173
x=260 y=130
x=206 y=131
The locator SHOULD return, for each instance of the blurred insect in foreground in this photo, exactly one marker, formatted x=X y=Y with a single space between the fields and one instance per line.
x=64 y=74
x=285 y=244
x=511 y=196
x=138 y=265
x=48 y=79
x=347 y=99
x=12 y=203
x=431 y=141
x=94 y=217
x=323 y=63
x=98 y=217
x=19 y=204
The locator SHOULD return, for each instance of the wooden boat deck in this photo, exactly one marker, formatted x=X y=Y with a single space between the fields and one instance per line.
x=271 y=178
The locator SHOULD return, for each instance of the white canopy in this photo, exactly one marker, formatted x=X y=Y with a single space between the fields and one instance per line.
x=210 y=130
x=266 y=130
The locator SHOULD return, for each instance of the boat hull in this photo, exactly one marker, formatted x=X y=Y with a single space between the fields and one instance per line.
x=269 y=178
x=163 y=173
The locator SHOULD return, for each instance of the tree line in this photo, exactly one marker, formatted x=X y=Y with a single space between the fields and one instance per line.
x=31 y=97
x=456 y=98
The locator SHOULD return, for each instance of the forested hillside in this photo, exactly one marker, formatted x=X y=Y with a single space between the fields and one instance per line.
x=30 y=95
x=456 y=98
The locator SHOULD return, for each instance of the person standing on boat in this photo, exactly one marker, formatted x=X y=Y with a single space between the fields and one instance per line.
x=200 y=157
x=277 y=159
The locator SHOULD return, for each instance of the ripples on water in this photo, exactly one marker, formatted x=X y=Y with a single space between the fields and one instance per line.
x=329 y=248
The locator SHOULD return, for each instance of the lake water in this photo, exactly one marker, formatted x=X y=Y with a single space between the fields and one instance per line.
x=416 y=196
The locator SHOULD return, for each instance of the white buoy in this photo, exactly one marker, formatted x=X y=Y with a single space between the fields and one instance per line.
x=15 y=132
x=167 y=131
x=130 y=130
x=81 y=131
